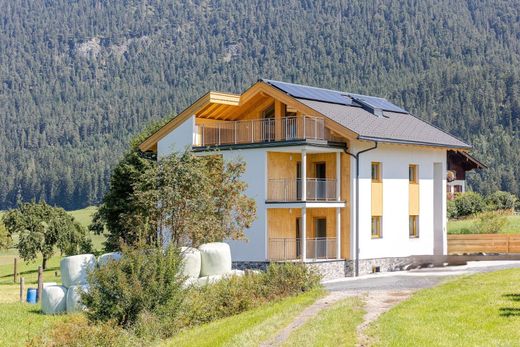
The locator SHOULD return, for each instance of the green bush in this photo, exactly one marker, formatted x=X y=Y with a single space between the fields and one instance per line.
x=127 y=306
x=452 y=210
x=469 y=203
x=501 y=201
x=143 y=280
x=238 y=294
x=490 y=222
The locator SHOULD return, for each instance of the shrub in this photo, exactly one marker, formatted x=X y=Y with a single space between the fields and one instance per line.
x=452 y=210
x=501 y=201
x=490 y=222
x=198 y=305
x=238 y=294
x=77 y=331
x=143 y=280
x=469 y=203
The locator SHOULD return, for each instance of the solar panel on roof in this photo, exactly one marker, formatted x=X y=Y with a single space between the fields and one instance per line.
x=376 y=102
x=312 y=93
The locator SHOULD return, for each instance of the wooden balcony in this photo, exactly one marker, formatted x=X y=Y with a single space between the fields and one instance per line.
x=291 y=248
x=260 y=131
x=287 y=190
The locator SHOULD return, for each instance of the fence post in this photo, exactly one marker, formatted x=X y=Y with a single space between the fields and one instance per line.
x=15 y=269
x=235 y=132
x=40 y=283
x=22 y=284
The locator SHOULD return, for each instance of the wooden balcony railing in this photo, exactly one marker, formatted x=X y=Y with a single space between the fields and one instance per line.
x=285 y=189
x=261 y=130
x=291 y=248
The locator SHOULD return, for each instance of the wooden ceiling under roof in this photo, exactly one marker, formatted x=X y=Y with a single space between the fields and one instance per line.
x=252 y=106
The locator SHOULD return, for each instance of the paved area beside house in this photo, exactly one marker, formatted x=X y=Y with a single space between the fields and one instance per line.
x=415 y=279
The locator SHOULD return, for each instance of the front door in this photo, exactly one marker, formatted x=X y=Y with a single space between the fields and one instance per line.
x=321 y=183
x=320 y=230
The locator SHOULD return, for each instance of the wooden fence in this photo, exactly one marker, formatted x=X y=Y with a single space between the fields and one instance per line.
x=483 y=243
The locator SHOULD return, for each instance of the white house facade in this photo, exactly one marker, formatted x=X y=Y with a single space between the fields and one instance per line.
x=347 y=182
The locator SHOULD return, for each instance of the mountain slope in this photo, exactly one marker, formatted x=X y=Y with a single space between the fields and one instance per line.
x=78 y=78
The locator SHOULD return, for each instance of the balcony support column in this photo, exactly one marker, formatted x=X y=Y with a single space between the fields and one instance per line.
x=338 y=233
x=304 y=233
x=304 y=175
x=338 y=176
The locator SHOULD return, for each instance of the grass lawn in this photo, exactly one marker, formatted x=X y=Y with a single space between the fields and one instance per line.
x=19 y=323
x=335 y=326
x=249 y=328
x=478 y=310
x=464 y=226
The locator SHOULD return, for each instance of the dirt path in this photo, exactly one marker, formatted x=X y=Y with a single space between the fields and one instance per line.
x=376 y=303
x=306 y=314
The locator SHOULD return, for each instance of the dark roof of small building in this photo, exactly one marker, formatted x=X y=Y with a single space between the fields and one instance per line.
x=371 y=118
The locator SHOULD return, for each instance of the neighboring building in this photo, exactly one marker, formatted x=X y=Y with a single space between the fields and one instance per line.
x=307 y=150
x=458 y=164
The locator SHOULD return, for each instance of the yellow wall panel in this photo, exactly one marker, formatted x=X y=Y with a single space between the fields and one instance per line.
x=414 y=199
x=377 y=198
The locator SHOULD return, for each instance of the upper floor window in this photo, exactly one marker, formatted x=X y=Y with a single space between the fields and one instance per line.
x=376 y=172
x=377 y=227
x=412 y=174
x=413 y=226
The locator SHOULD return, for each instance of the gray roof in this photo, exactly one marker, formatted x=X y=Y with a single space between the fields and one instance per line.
x=395 y=127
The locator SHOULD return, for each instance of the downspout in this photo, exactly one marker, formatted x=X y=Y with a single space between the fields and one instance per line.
x=356 y=157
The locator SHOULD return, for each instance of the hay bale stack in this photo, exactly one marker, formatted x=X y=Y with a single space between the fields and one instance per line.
x=54 y=299
x=215 y=259
x=74 y=269
x=191 y=262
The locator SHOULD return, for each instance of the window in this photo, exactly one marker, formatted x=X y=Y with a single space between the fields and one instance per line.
x=412 y=174
x=376 y=172
x=414 y=226
x=377 y=227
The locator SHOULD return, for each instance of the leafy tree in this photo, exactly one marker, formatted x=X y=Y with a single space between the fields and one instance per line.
x=5 y=238
x=42 y=228
x=192 y=199
x=119 y=203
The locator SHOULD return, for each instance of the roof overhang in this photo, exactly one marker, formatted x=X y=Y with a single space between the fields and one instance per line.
x=469 y=161
x=205 y=100
x=409 y=142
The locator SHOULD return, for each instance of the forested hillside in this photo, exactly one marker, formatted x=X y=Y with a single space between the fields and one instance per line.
x=78 y=78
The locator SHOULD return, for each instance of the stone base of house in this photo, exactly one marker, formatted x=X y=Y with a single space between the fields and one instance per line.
x=333 y=269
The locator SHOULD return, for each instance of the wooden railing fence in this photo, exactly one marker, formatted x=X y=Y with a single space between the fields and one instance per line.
x=483 y=243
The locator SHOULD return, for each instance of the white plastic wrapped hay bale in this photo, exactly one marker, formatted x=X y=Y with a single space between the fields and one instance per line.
x=215 y=259
x=46 y=284
x=191 y=262
x=73 y=298
x=105 y=258
x=74 y=269
x=54 y=299
x=204 y=281
x=238 y=273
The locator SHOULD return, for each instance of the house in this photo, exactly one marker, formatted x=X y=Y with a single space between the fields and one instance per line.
x=348 y=183
x=459 y=163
